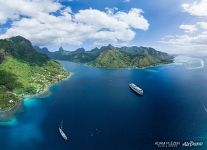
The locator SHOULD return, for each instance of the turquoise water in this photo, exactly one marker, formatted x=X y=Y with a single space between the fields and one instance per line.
x=100 y=112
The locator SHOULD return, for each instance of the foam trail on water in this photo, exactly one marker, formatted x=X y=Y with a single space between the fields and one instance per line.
x=204 y=107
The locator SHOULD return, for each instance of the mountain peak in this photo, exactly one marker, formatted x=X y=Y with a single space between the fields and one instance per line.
x=19 y=39
x=80 y=50
x=22 y=49
x=110 y=46
x=61 y=48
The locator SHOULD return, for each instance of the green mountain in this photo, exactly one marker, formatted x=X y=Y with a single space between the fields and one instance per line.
x=79 y=55
x=114 y=57
x=24 y=71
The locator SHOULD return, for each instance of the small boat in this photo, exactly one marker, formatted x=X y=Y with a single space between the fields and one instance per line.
x=136 y=89
x=64 y=136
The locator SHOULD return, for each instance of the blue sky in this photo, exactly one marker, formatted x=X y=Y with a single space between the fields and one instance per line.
x=174 y=26
x=163 y=18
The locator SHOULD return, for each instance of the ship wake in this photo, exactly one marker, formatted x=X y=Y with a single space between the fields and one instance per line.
x=204 y=107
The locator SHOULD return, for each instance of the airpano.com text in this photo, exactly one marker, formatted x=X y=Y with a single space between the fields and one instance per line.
x=177 y=144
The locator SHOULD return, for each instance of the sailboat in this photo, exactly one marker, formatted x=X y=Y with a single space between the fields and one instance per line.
x=64 y=136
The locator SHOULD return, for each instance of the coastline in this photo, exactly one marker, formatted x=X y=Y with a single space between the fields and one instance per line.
x=7 y=114
x=130 y=67
x=46 y=92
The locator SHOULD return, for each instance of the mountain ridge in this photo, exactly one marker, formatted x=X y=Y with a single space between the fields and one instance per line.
x=114 y=57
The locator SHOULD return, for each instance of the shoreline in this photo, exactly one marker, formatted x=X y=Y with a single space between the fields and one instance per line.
x=7 y=114
x=130 y=67
x=46 y=92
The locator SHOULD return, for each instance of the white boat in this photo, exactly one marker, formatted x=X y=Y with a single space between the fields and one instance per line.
x=64 y=136
x=136 y=88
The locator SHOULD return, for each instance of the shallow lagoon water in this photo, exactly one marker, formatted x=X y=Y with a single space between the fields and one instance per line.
x=100 y=112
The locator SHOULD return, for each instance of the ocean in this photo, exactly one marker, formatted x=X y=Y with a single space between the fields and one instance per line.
x=100 y=112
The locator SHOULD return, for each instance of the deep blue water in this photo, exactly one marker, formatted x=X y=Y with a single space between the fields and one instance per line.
x=100 y=112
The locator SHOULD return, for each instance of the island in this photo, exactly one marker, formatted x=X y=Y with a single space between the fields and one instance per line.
x=112 y=57
x=24 y=72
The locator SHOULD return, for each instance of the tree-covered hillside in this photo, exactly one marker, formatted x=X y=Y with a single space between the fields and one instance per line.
x=24 y=71
x=110 y=56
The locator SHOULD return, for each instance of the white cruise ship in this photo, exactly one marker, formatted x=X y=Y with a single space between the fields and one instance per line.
x=135 y=88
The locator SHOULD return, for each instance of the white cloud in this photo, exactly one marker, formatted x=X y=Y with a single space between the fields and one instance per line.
x=185 y=44
x=191 y=41
x=203 y=25
x=188 y=28
x=133 y=18
x=197 y=8
x=39 y=25
x=195 y=40
x=31 y=8
x=126 y=1
x=111 y=10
